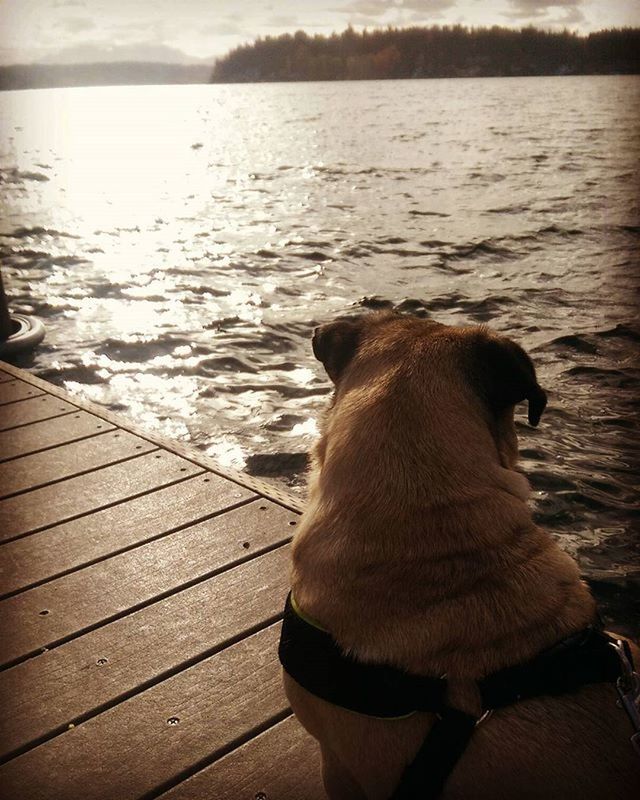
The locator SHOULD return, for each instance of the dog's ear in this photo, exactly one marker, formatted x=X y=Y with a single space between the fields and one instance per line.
x=335 y=344
x=507 y=376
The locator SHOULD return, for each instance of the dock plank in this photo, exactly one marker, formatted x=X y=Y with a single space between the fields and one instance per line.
x=261 y=487
x=136 y=577
x=133 y=750
x=65 y=461
x=50 y=505
x=140 y=582
x=33 y=410
x=87 y=674
x=49 y=433
x=71 y=545
x=10 y=391
x=282 y=763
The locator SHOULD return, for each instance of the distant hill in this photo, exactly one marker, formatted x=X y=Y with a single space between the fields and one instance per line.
x=418 y=52
x=434 y=52
x=41 y=76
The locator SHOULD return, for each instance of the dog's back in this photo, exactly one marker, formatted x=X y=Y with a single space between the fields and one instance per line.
x=418 y=550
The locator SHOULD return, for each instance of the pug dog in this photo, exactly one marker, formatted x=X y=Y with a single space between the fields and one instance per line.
x=417 y=550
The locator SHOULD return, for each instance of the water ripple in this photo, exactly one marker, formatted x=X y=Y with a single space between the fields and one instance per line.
x=182 y=267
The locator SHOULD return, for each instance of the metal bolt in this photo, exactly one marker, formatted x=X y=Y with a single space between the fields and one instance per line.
x=173 y=720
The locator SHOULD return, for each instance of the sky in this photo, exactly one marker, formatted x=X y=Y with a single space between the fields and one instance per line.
x=76 y=31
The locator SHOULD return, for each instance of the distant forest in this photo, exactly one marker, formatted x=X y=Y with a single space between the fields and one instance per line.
x=434 y=52
x=118 y=73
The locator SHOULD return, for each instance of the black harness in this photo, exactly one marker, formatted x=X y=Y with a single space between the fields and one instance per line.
x=313 y=659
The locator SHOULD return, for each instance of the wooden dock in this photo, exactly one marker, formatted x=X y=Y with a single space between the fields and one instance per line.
x=141 y=588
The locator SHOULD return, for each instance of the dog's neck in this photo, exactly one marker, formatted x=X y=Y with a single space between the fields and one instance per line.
x=375 y=457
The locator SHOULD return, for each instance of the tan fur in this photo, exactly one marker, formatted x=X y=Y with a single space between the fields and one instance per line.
x=418 y=549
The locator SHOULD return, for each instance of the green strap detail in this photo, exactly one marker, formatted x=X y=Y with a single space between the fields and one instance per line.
x=309 y=620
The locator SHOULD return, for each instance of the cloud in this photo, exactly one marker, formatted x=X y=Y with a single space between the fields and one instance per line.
x=365 y=8
x=541 y=8
x=228 y=27
x=373 y=13
x=377 y=8
x=77 y=24
x=283 y=21
x=572 y=16
x=550 y=13
x=427 y=6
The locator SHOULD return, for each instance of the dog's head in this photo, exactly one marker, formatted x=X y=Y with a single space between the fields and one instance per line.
x=441 y=363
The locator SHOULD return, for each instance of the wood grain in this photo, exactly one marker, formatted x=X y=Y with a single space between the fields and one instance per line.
x=81 y=541
x=93 y=595
x=141 y=582
x=133 y=749
x=50 y=433
x=76 y=496
x=32 y=410
x=283 y=763
x=141 y=648
x=67 y=460
x=273 y=492
x=10 y=391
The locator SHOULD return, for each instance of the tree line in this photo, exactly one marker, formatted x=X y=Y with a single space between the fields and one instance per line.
x=430 y=52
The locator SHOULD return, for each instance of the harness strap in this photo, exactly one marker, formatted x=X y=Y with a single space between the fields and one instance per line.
x=447 y=740
x=583 y=658
x=312 y=657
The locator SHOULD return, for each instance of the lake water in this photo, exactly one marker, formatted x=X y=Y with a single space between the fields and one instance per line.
x=180 y=243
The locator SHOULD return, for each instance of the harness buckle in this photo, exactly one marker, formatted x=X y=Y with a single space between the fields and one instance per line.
x=628 y=688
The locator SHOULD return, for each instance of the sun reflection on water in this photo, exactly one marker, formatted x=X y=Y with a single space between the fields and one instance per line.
x=228 y=452
x=181 y=243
